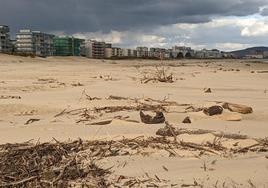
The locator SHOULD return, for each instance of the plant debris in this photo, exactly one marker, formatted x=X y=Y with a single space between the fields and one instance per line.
x=160 y=74
x=48 y=165
x=171 y=131
x=9 y=97
x=66 y=164
x=86 y=115
x=31 y=121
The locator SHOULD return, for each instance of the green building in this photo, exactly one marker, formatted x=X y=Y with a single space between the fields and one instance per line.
x=68 y=46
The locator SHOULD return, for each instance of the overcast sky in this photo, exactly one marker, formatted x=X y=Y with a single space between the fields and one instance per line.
x=223 y=24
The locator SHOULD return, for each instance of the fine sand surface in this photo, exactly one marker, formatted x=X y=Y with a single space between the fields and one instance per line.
x=50 y=87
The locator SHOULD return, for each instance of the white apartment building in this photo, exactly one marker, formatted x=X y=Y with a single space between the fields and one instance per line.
x=97 y=50
x=208 y=54
x=35 y=43
x=126 y=52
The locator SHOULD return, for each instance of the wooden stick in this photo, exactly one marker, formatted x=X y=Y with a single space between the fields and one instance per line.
x=13 y=184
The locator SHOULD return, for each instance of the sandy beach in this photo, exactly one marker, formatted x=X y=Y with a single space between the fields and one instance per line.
x=71 y=98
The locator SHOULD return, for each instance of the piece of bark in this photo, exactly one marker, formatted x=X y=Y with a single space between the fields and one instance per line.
x=213 y=110
x=194 y=109
x=242 y=109
x=104 y=122
x=157 y=119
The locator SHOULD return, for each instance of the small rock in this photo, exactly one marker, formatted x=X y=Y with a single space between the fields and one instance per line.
x=207 y=90
x=213 y=110
x=157 y=119
x=187 y=120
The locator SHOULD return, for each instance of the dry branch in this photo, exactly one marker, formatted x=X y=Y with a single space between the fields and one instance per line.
x=166 y=132
x=31 y=121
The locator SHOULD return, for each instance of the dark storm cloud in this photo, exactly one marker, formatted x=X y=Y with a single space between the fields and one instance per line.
x=264 y=12
x=74 y=16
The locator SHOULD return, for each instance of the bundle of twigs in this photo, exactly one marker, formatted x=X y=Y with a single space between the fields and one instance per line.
x=160 y=74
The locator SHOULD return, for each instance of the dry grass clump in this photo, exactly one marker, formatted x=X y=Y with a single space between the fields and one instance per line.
x=159 y=74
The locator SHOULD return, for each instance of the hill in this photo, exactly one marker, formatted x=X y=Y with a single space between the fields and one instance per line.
x=249 y=51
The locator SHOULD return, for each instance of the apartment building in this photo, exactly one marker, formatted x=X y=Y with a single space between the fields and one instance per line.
x=68 y=46
x=108 y=53
x=113 y=52
x=117 y=52
x=133 y=53
x=5 y=44
x=34 y=43
x=142 y=52
x=126 y=52
x=208 y=54
x=182 y=52
x=95 y=49
x=157 y=53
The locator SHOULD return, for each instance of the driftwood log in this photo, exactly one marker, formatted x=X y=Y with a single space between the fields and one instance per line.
x=242 y=109
x=170 y=131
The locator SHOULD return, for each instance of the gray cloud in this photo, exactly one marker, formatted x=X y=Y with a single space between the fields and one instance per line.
x=72 y=16
x=264 y=12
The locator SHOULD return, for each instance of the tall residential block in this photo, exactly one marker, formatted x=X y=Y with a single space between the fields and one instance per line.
x=68 y=46
x=95 y=49
x=126 y=52
x=182 y=52
x=34 y=43
x=142 y=52
x=5 y=44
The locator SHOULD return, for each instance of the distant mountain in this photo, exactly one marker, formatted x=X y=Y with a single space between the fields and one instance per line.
x=249 y=51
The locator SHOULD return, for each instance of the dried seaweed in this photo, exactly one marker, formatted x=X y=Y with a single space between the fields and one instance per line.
x=62 y=164
x=47 y=165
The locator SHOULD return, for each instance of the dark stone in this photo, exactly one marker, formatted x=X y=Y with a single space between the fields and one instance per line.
x=208 y=90
x=213 y=110
x=187 y=120
x=157 y=119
